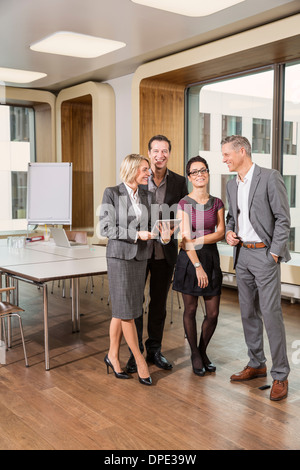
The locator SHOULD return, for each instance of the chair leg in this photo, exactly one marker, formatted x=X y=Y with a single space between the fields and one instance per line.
x=3 y=342
x=102 y=286
x=4 y=332
x=22 y=335
x=178 y=299
x=87 y=284
x=23 y=341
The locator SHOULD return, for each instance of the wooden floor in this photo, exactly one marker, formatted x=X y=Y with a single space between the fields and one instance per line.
x=76 y=405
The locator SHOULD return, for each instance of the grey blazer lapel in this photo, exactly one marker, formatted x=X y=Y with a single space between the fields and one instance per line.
x=233 y=197
x=123 y=192
x=125 y=200
x=254 y=183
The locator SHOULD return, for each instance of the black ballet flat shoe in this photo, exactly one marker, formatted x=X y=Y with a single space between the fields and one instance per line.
x=200 y=372
x=119 y=375
x=147 y=381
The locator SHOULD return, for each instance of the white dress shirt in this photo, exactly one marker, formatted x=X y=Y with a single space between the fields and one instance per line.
x=135 y=200
x=245 y=229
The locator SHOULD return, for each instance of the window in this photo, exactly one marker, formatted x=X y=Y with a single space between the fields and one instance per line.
x=19 y=124
x=290 y=131
x=231 y=125
x=291 y=242
x=17 y=149
x=290 y=183
x=261 y=136
x=224 y=181
x=291 y=151
x=244 y=105
x=204 y=131
x=231 y=105
x=19 y=194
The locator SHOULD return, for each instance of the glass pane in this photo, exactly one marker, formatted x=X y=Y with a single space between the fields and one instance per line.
x=291 y=149
x=19 y=124
x=17 y=149
x=19 y=194
x=204 y=131
x=261 y=135
x=231 y=125
x=243 y=106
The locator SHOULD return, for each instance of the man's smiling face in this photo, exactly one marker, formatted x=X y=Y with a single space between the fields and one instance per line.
x=233 y=159
x=159 y=154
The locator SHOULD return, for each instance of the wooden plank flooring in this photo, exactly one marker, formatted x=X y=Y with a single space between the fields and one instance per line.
x=76 y=405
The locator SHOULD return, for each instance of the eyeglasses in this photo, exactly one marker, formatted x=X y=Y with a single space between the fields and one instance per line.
x=203 y=171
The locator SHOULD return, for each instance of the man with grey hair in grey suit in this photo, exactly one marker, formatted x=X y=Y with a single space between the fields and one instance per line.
x=258 y=226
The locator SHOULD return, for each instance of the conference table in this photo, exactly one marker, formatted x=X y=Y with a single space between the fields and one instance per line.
x=41 y=262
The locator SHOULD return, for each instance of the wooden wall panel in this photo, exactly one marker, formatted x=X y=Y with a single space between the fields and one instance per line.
x=77 y=147
x=162 y=112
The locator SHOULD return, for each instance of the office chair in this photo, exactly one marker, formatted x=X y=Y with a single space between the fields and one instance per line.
x=8 y=310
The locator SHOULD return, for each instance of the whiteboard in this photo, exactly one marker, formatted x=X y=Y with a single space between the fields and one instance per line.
x=49 y=193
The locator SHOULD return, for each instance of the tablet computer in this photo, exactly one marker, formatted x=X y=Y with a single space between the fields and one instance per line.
x=173 y=223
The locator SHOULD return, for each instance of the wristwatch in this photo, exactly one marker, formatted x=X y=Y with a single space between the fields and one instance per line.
x=197 y=265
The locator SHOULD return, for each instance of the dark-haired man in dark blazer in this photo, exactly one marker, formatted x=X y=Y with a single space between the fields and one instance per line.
x=169 y=188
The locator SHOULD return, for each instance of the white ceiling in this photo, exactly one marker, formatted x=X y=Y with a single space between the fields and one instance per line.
x=149 y=34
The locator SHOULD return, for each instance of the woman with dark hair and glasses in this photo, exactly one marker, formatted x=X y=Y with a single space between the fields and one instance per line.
x=198 y=271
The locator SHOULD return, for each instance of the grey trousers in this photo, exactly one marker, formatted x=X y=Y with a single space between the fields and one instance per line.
x=258 y=281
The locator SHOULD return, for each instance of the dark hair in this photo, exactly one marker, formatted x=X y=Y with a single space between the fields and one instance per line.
x=161 y=138
x=193 y=160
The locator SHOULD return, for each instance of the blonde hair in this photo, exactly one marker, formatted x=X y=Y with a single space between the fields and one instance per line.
x=130 y=165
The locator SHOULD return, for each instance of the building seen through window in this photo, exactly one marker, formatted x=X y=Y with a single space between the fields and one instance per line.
x=244 y=105
x=17 y=149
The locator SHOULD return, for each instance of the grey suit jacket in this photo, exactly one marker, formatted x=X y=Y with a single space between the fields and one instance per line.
x=119 y=224
x=269 y=211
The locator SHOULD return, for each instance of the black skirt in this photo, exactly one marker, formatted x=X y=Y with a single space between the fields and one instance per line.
x=185 y=279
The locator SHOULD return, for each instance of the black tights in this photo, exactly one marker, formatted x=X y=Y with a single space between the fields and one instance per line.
x=198 y=353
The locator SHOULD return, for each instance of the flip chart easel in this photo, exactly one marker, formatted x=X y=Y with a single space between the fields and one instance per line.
x=49 y=194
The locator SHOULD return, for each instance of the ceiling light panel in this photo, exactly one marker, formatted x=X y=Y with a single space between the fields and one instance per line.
x=76 y=45
x=19 y=76
x=189 y=7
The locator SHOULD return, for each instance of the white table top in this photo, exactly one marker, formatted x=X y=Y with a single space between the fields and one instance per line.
x=66 y=269
x=74 y=252
x=44 y=261
x=25 y=256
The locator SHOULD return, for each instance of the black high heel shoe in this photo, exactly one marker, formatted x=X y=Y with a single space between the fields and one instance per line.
x=119 y=375
x=147 y=381
x=209 y=366
x=198 y=371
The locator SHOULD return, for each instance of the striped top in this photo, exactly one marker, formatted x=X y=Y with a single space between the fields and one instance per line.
x=203 y=216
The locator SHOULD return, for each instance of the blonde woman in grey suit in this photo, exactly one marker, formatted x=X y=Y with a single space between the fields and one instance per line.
x=125 y=221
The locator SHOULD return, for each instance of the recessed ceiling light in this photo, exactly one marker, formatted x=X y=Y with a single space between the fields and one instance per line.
x=189 y=7
x=76 y=45
x=19 y=76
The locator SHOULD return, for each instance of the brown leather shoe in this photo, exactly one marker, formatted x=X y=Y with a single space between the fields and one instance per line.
x=279 y=390
x=249 y=373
